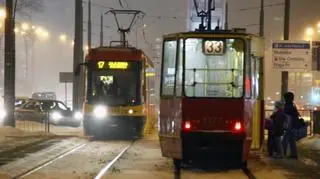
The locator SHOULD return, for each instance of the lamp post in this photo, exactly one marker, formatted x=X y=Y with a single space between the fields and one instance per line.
x=30 y=33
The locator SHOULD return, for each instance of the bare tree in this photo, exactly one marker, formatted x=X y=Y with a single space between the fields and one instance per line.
x=27 y=7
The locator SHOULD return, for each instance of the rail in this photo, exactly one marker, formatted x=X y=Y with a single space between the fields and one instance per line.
x=68 y=152
x=104 y=170
x=50 y=161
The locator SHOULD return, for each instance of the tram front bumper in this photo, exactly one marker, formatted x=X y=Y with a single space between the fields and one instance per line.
x=212 y=145
x=112 y=122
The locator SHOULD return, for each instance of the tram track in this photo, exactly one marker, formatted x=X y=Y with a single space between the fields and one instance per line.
x=50 y=161
x=104 y=167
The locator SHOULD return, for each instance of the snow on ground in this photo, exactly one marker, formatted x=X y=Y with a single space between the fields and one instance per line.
x=312 y=143
x=39 y=154
x=33 y=126
x=307 y=166
x=13 y=137
x=14 y=132
x=67 y=131
x=84 y=163
x=144 y=160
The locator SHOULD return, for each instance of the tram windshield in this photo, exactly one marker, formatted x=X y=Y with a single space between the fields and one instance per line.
x=214 y=67
x=115 y=87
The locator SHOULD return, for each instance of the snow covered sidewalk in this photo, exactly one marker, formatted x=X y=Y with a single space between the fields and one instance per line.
x=308 y=163
x=12 y=137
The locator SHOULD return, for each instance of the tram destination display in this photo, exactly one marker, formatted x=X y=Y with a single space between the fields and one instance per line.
x=213 y=46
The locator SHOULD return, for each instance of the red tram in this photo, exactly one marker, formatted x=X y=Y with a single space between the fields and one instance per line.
x=211 y=95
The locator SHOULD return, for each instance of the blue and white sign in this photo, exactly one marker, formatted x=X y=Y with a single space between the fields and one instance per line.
x=291 y=56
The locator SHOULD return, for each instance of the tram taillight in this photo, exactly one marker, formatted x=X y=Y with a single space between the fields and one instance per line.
x=238 y=126
x=187 y=125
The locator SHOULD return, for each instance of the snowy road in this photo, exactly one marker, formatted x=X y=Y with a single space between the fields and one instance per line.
x=67 y=158
x=80 y=158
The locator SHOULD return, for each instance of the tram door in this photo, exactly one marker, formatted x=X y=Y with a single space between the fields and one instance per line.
x=257 y=91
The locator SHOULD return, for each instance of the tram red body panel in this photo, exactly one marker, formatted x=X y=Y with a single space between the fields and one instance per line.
x=208 y=117
x=211 y=115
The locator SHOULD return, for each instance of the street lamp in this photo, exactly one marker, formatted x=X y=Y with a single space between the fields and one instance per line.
x=309 y=31
x=25 y=26
x=3 y=13
x=45 y=34
x=63 y=38
x=16 y=30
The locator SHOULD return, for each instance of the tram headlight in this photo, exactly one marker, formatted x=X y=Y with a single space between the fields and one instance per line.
x=100 y=111
x=56 y=115
x=130 y=111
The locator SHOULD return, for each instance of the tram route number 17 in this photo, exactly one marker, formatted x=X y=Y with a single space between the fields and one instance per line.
x=213 y=47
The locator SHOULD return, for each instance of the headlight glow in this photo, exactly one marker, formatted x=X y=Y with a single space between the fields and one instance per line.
x=2 y=114
x=100 y=111
x=78 y=115
x=130 y=111
x=56 y=116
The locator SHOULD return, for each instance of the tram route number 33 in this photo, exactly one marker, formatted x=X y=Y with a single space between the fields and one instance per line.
x=213 y=47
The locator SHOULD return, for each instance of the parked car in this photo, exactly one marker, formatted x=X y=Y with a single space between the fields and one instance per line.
x=44 y=95
x=20 y=101
x=54 y=111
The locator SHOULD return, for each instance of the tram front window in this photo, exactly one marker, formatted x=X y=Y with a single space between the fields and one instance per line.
x=214 y=67
x=115 y=87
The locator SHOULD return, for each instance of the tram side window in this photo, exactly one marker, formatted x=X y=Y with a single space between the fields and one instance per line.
x=169 y=67
x=255 y=67
x=257 y=52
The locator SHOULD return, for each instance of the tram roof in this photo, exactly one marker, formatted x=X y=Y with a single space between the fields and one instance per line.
x=117 y=53
x=206 y=33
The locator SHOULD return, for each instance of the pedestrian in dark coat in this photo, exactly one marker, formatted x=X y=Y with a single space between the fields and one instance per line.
x=290 y=136
x=278 y=119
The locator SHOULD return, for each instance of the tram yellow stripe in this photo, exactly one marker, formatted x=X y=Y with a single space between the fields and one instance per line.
x=119 y=110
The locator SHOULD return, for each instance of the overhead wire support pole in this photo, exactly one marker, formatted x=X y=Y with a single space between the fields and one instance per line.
x=261 y=24
x=101 y=30
x=78 y=55
x=226 y=16
x=286 y=33
x=261 y=66
x=9 y=68
x=209 y=14
x=89 y=25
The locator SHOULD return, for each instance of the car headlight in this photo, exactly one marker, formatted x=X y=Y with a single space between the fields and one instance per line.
x=2 y=114
x=78 y=115
x=100 y=111
x=56 y=116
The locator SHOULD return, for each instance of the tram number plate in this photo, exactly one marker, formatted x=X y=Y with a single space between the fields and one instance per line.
x=213 y=47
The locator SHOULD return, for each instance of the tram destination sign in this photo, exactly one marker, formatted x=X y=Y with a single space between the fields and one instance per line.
x=293 y=56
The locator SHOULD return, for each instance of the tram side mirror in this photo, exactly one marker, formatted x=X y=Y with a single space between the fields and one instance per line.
x=78 y=68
